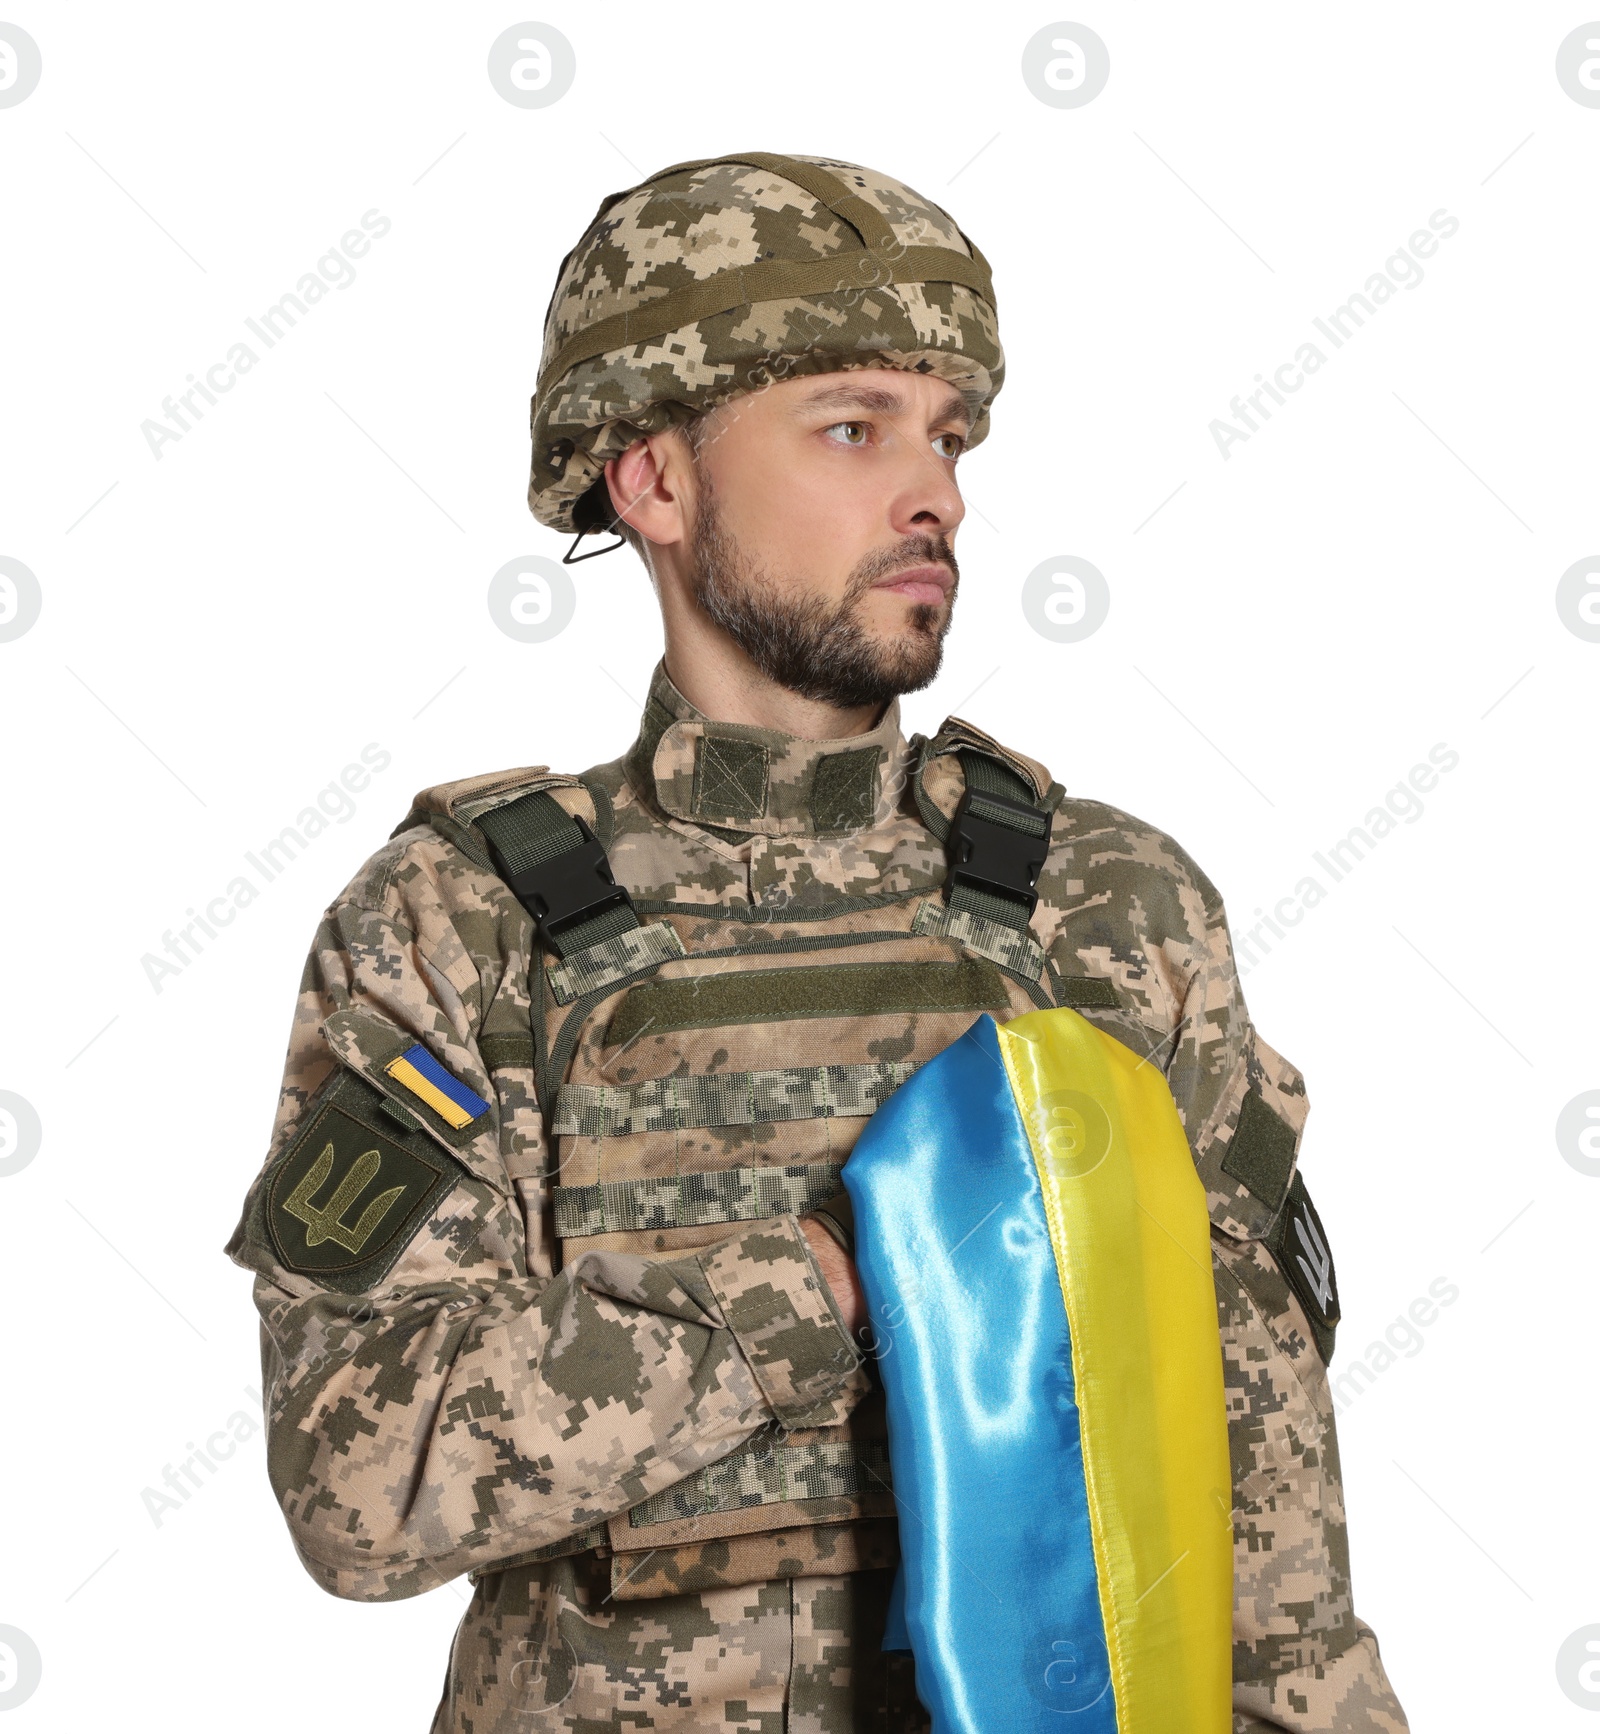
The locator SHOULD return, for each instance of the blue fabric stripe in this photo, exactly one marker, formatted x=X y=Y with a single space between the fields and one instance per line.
x=998 y=1584
x=468 y=1101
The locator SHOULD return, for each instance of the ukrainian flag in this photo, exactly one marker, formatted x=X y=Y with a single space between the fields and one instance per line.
x=1033 y=1241
x=419 y=1072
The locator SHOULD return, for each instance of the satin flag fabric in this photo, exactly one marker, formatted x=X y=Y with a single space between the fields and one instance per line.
x=1033 y=1242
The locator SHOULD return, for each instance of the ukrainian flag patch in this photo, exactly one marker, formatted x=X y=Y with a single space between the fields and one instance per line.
x=429 y=1082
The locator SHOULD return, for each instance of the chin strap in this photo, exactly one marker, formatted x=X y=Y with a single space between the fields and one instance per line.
x=594 y=512
x=572 y=556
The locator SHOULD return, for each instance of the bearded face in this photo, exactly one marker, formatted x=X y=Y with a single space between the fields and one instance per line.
x=820 y=647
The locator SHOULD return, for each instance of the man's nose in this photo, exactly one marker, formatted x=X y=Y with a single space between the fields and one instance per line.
x=927 y=500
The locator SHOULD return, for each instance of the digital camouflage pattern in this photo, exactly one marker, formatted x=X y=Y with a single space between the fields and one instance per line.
x=1301 y=1656
x=793 y=1655
x=595 y=1383
x=700 y=226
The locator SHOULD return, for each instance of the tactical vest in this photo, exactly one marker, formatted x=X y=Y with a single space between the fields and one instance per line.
x=702 y=1066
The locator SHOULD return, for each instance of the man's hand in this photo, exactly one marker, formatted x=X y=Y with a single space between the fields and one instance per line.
x=839 y=1272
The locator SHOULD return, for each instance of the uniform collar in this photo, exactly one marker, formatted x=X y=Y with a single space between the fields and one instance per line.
x=732 y=777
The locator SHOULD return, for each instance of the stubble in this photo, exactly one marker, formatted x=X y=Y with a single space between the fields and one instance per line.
x=817 y=649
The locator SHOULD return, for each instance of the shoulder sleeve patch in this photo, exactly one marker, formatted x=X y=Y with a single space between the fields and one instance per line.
x=1299 y=1243
x=1261 y=1153
x=443 y=1091
x=353 y=1188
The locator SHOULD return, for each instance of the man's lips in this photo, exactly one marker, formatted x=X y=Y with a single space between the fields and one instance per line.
x=920 y=583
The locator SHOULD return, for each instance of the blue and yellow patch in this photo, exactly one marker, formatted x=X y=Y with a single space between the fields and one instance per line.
x=419 y=1072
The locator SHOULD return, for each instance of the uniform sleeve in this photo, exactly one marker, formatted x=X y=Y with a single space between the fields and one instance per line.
x=450 y=1400
x=1302 y=1660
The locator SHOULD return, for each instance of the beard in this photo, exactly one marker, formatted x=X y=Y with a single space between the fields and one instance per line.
x=817 y=649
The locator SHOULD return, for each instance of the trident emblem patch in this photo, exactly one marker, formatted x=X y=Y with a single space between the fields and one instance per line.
x=1319 y=1272
x=351 y=1190
x=323 y=1222
x=1299 y=1243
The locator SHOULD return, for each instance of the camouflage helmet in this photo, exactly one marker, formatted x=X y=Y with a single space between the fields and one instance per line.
x=718 y=277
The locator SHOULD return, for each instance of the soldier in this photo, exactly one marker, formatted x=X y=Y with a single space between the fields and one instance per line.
x=550 y=1252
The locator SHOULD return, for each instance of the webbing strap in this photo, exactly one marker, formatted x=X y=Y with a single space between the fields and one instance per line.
x=773 y=280
x=558 y=870
x=822 y=184
x=693 y=1200
x=528 y=830
x=624 y=954
x=690 y=1100
x=768 y=1474
x=1012 y=948
x=996 y=796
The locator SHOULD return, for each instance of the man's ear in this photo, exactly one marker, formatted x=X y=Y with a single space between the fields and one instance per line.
x=652 y=485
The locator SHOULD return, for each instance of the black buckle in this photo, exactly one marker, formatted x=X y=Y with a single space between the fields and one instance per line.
x=571 y=887
x=995 y=857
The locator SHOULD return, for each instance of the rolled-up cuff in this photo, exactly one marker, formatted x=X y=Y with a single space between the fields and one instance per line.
x=838 y=1216
x=1348 y=1694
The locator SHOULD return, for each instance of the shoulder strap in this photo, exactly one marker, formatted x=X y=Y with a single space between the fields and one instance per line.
x=997 y=843
x=558 y=870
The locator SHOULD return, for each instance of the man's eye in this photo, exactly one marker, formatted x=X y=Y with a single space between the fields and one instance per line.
x=849 y=433
x=949 y=445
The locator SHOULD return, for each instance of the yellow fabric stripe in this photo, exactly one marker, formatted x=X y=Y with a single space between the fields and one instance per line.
x=1127 y=1217
x=452 y=1113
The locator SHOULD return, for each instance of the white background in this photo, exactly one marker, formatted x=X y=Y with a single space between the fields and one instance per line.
x=305 y=571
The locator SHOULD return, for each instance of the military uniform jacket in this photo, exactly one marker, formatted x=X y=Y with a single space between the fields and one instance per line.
x=536 y=1304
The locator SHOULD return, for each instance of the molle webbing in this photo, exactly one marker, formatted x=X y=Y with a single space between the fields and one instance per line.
x=693 y=1200
x=708 y=1099
x=769 y=1474
x=830 y=990
x=612 y=960
x=1012 y=948
x=559 y=873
